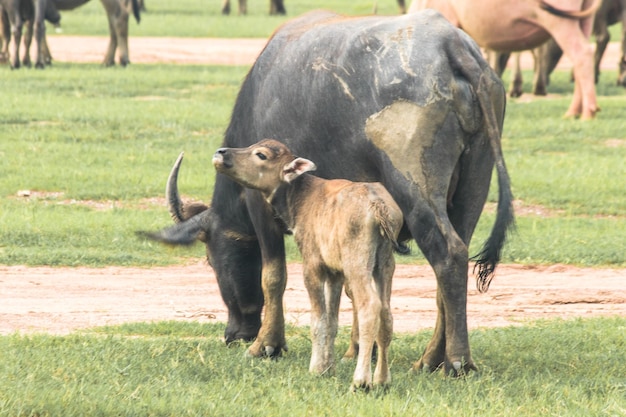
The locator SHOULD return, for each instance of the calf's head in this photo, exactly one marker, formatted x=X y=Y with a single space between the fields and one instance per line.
x=263 y=166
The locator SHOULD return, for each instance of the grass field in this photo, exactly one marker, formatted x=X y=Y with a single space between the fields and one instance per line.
x=558 y=368
x=93 y=148
x=201 y=18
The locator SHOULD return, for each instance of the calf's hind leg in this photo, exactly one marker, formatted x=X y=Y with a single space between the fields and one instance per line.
x=368 y=307
x=383 y=277
x=353 y=348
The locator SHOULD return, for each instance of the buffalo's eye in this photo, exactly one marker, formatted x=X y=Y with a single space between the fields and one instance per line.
x=261 y=156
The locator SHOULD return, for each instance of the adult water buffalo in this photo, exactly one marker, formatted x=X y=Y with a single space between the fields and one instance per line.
x=408 y=101
x=514 y=25
x=34 y=11
x=13 y=12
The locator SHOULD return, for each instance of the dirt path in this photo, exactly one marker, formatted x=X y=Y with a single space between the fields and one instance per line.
x=213 y=51
x=61 y=300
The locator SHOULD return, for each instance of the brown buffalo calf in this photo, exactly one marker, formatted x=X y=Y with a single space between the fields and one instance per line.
x=346 y=232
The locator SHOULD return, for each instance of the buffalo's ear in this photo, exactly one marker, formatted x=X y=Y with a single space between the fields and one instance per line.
x=297 y=167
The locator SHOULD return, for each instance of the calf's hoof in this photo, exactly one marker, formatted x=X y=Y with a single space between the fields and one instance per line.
x=258 y=350
x=361 y=386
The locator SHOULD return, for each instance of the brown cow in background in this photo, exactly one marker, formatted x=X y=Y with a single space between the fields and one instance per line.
x=517 y=25
x=548 y=55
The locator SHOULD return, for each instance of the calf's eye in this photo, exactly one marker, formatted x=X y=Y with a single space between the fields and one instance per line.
x=261 y=156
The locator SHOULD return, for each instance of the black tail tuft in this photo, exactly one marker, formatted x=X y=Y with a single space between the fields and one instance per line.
x=491 y=253
x=136 y=9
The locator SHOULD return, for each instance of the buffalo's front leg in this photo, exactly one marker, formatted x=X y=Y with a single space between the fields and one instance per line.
x=271 y=338
x=237 y=266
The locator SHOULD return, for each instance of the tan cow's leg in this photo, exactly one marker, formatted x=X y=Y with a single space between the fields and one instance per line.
x=517 y=82
x=573 y=38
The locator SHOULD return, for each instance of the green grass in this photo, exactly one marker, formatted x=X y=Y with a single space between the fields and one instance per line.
x=196 y=18
x=548 y=368
x=95 y=146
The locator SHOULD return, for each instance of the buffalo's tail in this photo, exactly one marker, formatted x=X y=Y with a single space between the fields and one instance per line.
x=136 y=10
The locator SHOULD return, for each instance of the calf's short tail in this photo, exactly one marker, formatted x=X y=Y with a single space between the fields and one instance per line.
x=387 y=229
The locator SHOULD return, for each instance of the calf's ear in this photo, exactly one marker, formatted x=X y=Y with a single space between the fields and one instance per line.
x=297 y=167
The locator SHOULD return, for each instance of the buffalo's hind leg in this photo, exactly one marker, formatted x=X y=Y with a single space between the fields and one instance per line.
x=441 y=168
x=445 y=246
x=447 y=254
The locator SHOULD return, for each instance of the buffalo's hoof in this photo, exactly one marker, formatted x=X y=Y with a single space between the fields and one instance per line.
x=454 y=369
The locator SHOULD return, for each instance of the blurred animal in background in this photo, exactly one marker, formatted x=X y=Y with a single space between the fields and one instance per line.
x=276 y=7
x=17 y=13
x=118 y=12
x=26 y=14
x=401 y=5
x=548 y=55
x=517 y=25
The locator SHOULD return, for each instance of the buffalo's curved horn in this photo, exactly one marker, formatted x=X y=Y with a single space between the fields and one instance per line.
x=179 y=210
x=174 y=202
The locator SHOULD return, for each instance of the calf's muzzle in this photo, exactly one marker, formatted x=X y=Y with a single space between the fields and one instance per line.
x=221 y=159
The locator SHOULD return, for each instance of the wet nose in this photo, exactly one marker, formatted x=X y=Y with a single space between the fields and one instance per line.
x=220 y=158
